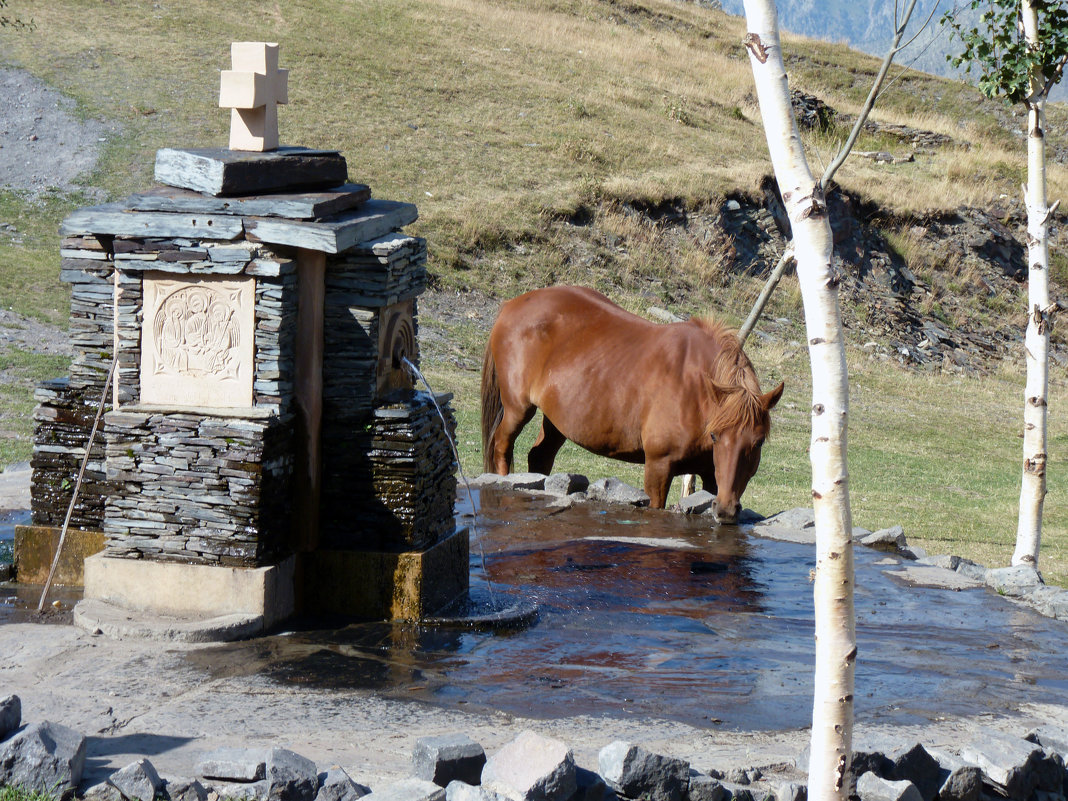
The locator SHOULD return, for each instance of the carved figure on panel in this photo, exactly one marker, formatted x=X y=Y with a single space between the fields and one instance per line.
x=196 y=333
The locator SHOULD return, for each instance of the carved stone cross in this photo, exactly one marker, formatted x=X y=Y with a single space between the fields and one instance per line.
x=252 y=90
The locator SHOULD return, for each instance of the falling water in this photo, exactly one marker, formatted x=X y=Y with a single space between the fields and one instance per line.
x=420 y=378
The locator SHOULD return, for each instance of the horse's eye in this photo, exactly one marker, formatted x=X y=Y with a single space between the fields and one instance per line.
x=760 y=443
x=715 y=439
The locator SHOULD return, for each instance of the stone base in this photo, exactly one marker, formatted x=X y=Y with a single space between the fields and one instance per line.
x=35 y=548
x=192 y=591
x=408 y=586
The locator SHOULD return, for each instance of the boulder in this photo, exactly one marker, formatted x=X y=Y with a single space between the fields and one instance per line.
x=1014 y=581
x=916 y=765
x=1008 y=763
x=612 y=490
x=790 y=791
x=705 y=788
x=633 y=772
x=10 y=715
x=43 y=756
x=181 y=789
x=1049 y=736
x=972 y=570
x=233 y=764
x=290 y=776
x=524 y=481
x=448 y=757
x=336 y=785
x=801 y=517
x=698 y=503
x=566 y=483
x=890 y=539
x=531 y=768
x=138 y=781
x=964 y=783
x=462 y=791
x=874 y=788
x=408 y=790
x=944 y=561
x=590 y=786
x=241 y=791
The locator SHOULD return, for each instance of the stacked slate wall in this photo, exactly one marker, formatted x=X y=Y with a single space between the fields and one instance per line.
x=360 y=284
x=198 y=488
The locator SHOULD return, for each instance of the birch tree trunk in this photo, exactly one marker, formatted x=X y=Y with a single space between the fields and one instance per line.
x=1036 y=341
x=836 y=650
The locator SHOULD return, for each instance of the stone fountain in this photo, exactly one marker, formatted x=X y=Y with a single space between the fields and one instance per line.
x=264 y=452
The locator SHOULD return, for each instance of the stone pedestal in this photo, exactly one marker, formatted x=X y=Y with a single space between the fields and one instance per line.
x=262 y=439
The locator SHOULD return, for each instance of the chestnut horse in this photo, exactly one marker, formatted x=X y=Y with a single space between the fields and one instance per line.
x=680 y=398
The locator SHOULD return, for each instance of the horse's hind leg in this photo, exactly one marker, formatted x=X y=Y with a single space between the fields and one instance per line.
x=512 y=422
x=546 y=446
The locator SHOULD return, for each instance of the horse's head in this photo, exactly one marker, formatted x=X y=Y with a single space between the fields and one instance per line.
x=738 y=429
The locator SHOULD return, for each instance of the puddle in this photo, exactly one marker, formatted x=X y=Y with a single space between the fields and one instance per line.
x=642 y=612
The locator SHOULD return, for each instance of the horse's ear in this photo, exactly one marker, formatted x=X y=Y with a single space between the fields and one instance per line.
x=772 y=397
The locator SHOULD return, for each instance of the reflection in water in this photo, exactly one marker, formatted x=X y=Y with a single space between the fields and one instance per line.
x=651 y=613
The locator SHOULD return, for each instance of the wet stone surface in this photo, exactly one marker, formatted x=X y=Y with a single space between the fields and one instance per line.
x=642 y=611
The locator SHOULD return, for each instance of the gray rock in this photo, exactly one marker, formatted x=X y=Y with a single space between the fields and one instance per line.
x=10 y=714
x=738 y=776
x=43 y=756
x=915 y=764
x=485 y=480
x=706 y=788
x=944 y=561
x=1049 y=601
x=1014 y=581
x=590 y=786
x=233 y=764
x=102 y=792
x=913 y=552
x=290 y=776
x=633 y=772
x=462 y=791
x=531 y=768
x=138 y=781
x=698 y=503
x=741 y=793
x=448 y=757
x=873 y=788
x=408 y=790
x=524 y=481
x=919 y=575
x=336 y=785
x=1050 y=737
x=972 y=570
x=801 y=517
x=963 y=783
x=241 y=791
x=890 y=539
x=790 y=791
x=566 y=483
x=1007 y=762
x=613 y=490
x=182 y=789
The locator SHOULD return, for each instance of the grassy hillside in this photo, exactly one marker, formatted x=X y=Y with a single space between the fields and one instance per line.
x=542 y=141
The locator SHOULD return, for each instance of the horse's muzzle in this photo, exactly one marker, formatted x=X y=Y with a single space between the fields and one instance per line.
x=726 y=514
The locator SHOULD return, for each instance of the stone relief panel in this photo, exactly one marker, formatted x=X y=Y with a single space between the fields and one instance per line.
x=197 y=341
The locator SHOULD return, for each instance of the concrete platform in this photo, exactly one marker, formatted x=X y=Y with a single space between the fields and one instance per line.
x=101 y=617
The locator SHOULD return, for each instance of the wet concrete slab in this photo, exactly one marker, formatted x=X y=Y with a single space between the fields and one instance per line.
x=652 y=627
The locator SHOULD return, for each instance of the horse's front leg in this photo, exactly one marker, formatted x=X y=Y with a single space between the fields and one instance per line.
x=657 y=481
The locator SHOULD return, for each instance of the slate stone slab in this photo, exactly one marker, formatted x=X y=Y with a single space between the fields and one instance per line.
x=801 y=517
x=448 y=758
x=293 y=205
x=1049 y=736
x=337 y=234
x=336 y=785
x=113 y=218
x=873 y=788
x=219 y=171
x=930 y=576
x=531 y=768
x=891 y=540
x=43 y=756
x=138 y=781
x=635 y=772
x=10 y=714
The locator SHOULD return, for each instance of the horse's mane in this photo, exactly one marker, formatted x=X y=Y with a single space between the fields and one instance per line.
x=740 y=405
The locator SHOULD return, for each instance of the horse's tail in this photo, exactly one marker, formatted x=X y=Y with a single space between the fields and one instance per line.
x=492 y=408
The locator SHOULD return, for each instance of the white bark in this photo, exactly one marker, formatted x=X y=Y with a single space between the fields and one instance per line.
x=1036 y=341
x=832 y=713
